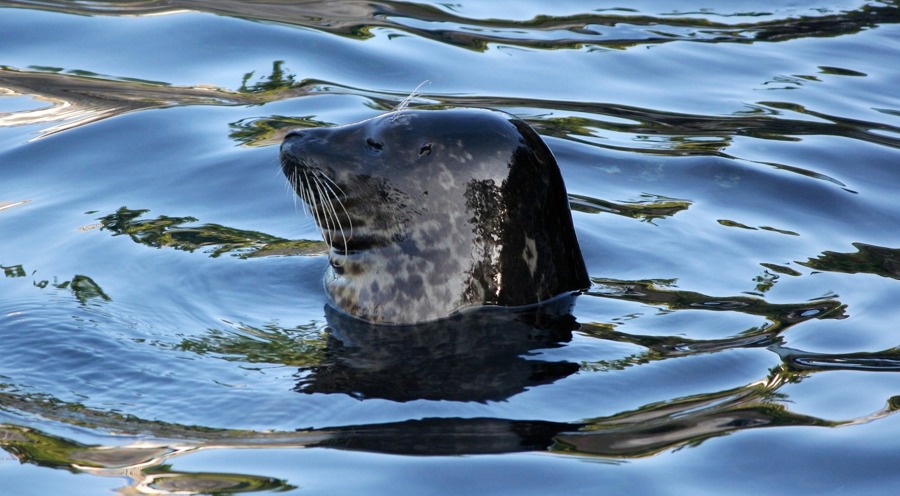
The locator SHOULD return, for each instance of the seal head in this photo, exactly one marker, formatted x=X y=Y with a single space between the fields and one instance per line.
x=430 y=212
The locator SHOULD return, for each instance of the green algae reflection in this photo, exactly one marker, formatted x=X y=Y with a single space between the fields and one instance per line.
x=181 y=233
x=141 y=466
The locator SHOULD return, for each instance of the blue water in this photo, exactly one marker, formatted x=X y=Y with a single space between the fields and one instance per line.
x=732 y=171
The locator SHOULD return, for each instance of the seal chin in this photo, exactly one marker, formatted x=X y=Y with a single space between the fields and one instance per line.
x=429 y=212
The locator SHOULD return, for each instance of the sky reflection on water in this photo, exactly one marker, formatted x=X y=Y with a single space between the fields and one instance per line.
x=732 y=176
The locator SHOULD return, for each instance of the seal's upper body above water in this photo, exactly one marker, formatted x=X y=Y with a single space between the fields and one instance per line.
x=429 y=212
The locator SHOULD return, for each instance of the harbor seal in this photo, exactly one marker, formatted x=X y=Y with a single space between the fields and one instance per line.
x=432 y=212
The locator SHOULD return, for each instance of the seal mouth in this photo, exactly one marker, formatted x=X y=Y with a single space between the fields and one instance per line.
x=357 y=243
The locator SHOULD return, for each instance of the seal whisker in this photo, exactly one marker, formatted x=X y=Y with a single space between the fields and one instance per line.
x=331 y=186
x=310 y=199
x=292 y=184
x=321 y=217
x=330 y=211
x=302 y=189
x=331 y=182
x=406 y=101
x=325 y=203
x=299 y=188
x=322 y=202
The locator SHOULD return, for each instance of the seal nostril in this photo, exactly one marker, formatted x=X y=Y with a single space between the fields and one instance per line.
x=374 y=144
x=425 y=150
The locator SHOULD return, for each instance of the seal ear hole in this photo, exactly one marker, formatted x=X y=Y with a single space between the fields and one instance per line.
x=374 y=144
x=425 y=150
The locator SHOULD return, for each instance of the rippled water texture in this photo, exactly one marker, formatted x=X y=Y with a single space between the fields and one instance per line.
x=733 y=175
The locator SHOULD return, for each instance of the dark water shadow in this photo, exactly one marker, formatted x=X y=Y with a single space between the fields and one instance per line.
x=480 y=355
x=147 y=464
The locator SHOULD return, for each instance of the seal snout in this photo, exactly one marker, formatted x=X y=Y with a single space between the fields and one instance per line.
x=290 y=139
x=295 y=149
x=296 y=139
x=294 y=133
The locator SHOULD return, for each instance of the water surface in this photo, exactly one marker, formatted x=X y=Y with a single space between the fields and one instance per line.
x=732 y=174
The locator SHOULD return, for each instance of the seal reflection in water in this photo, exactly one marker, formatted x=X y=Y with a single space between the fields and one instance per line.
x=430 y=212
x=491 y=354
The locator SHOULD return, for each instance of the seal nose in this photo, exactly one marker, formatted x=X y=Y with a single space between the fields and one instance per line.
x=302 y=136
x=294 y=137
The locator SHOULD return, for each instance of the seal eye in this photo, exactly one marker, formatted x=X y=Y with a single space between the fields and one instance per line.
x=425 y=150
x=338 y=269
x=374 y=144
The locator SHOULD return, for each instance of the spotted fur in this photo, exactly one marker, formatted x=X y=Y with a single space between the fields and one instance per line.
x=429 y=212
